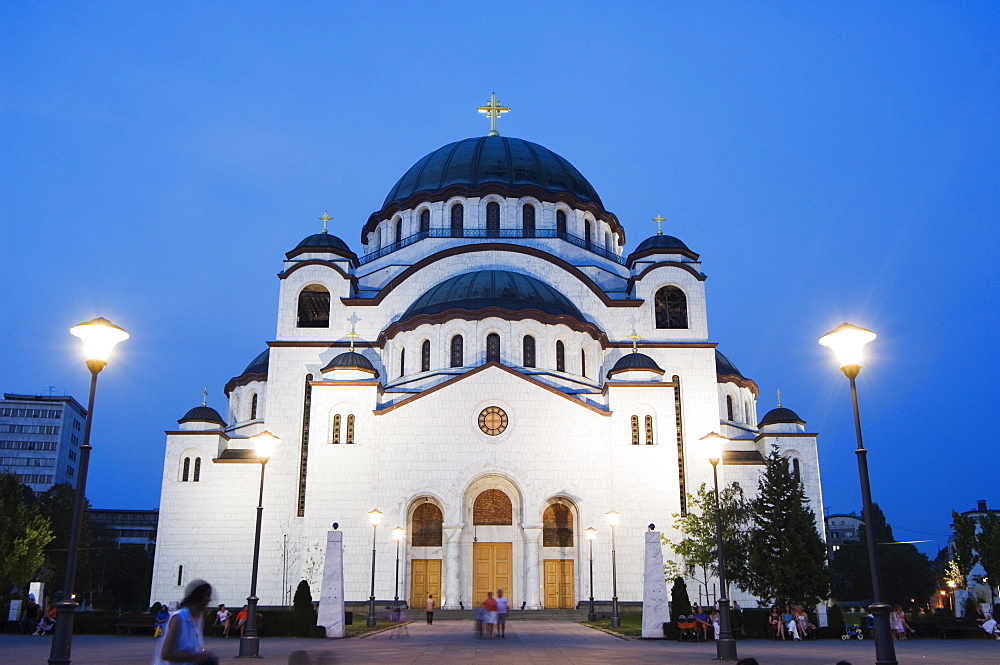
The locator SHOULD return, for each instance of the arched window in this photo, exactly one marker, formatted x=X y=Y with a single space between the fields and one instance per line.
x=376 y=238
x=402 y=362
x=425 y=356
x=235 y=402
x=528 y=220
x=253 y=407
x=186 y=473
x=399 y=230
x=493 y=348
x=583 y=362
x=635 y=430
x=560 y=357
x=795 y=469
x=528 y=351
x=457 y=352
x=492 y=219
x=457 y=220
x=425 y=221
x=607 y=242
x=746 y=411
x=314 y=307
x=561 y=223
x=729 y=407
x=426 y=528
x=336 y=429
x=671 y=308
x=649 y=430
x=557 y=526
x=350 y=429
x=492 y=507
x=586 y=232
x=196 y=476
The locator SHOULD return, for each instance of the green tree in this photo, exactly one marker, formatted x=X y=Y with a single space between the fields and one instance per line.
x=303 y=612
x=988 y=547
x=787 y=556
x=964 y=546
x=698 y=546
x=57 y=505
x=24 y=533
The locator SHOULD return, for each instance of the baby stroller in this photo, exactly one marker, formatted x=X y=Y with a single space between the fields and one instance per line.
x=688 y=629
x=853 y=631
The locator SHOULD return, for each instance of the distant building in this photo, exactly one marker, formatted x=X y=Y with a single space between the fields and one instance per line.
x=129 y=527
x=40 y=437
x=840 y=529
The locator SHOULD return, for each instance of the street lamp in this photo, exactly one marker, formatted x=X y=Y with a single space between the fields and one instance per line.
x=398 y=534
x=616 y=619
x=99 y=337
x=250 y=641
x=591 y=536
x=374 y=517
x=725 y=646
x=848 y=341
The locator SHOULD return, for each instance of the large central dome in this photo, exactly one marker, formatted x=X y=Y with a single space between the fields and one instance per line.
x=493 y=160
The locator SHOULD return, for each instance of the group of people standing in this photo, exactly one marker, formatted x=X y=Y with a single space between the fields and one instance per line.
x=794 y=621
x=493 y=615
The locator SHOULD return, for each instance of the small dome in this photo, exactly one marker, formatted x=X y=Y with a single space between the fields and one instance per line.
x=202 y=414
x=635 y=362
x=485 y=160
x=322 y=241
x=725 y=367
x=781 y=415
x=492 y=288
x=660 y=242
x=350 y=360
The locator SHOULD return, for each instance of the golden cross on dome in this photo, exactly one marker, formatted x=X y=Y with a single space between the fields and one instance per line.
x=353 y=335
x=204 y=396
x=493 y=110
x=325 y=218
x=779 y=398
x=635 y=340
x=659 y=224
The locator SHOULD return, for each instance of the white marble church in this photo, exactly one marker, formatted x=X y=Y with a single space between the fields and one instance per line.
x=494 y=373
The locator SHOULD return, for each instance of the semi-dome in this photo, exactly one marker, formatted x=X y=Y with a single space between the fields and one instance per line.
x=781 y=415
x=475 y=162
x=635 y=362
x=492 y=288
x=350 y=360
x=202 y=414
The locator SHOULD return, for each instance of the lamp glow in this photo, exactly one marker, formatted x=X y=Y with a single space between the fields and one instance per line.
x=264 y=444
x=612 y=517
x=848 y=342
x=398 y=533
x=713 y=446
x=591 y=533
x=99 y=337
x=375 y=517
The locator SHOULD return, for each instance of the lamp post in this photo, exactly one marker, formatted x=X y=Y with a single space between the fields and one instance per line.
x=725 y=646
x=848 y=342
x=398 y=534
x=99 y=337
x=374 y=517
x=591 y=536
x=616 y=619
x=250 y=641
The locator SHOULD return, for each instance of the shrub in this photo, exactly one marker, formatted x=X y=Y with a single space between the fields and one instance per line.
x=754 y=623
x=303 y=612
x=680 y=604
x=94 y=623
x=835 y=618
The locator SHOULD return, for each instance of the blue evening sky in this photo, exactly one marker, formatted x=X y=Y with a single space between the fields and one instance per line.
x=830 y=162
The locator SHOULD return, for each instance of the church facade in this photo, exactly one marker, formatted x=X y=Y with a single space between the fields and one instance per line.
x=494 y=374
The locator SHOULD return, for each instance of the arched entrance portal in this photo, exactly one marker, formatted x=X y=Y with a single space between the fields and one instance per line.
x=494 y=546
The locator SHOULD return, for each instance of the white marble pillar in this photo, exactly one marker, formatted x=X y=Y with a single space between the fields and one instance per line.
x=331 y=601
x=451 y=594
x=532 y=579
x=655 y=610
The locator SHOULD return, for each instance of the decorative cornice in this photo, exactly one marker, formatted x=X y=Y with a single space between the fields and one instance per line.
x=320 y=262
x=652 y=251
x=350 y=256
x=669 y=264
x=486 y=312
x=243 y=380
x=198 y=432
x=664 y=345
x=776 y=435
x=637 y=384
x=740 y=381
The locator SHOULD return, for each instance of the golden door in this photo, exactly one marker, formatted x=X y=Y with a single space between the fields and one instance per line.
x=558 y=584
x=425 y=578
x=491 y=570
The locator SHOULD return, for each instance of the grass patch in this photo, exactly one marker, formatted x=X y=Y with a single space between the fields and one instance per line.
x=360 y=628
x=631 y=624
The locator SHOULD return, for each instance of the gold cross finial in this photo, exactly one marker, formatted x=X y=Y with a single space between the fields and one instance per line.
x=204 y=396
x=635 y=340
x=659 y=224
x=779 y=398
x=493 y=110
x=353 y=335
x=325 y=218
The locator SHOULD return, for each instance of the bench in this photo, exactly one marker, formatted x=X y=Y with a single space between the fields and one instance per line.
x=958 y=627
x=133 y=622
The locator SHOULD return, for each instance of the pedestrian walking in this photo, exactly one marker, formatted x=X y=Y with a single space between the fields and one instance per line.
x=182 y=642
x=503 y=605
x=429 y=608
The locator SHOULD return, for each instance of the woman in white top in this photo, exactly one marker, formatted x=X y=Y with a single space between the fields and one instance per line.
x=182 y=641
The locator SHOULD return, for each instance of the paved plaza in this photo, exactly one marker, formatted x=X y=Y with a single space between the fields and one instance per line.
x=527 y=643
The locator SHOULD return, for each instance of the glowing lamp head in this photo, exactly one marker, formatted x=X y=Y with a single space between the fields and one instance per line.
x=591 y=533
x=99 y=337
x=612 y=517
x=713 y=446
x=375 y=517
x=398 y=533
x=848 y=342
x=264 y=444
